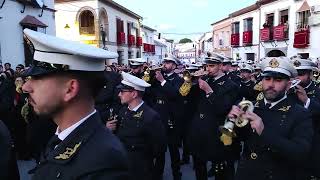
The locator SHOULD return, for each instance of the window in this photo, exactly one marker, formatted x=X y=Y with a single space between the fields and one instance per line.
x=284 y=17
x=120 y=25
x=304 y=55
x=303 y=20
x=86 y=22
x=247 y=24
x=269 y=21
x=235 y=28
x=250 y=56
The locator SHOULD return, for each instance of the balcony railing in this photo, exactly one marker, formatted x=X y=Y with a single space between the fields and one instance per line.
x=235 y=39
x=139 y=41
x=121 y=38
x=247 y=37
x=131 y=40
x=265 y=34
x=149 y=48
x=301 y=39
x=280 y=33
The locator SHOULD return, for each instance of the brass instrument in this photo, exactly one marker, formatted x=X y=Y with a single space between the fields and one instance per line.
x=227 y=129
x=316 y=74
x=150 y=72
x=186 y=86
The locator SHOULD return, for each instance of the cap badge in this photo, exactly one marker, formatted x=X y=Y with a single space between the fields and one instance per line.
x=297 y=63
x=243 y=65
x=274 y=63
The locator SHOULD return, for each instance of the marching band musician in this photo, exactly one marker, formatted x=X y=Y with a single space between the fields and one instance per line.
x=307 y=94
x=278 y=137
x=138 y=127
x=246 y=85
x=164 y=98
x=64 y=79
x=217 y=94
x=137 y=67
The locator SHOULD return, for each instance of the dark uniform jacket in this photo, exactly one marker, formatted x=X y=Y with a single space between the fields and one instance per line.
x=143 y=135
x=247 y=90
x=313 y=92
x=281 y=148
x=90 y=152
x=107 y=98
x=8 y=166
x=204 y=134
x=167 y=101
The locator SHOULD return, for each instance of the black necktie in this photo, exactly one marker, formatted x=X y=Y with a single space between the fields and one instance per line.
x=54 y=141
x=268 y=105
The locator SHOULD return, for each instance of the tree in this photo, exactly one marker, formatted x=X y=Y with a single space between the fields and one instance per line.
x=185 y=40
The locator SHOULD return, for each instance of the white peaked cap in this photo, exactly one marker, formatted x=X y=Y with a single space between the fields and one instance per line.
x=137 y=61
x=134 y=82
x=77 y=56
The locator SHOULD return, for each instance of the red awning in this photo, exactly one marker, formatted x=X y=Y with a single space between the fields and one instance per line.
x=304 y=7
x=32 y=21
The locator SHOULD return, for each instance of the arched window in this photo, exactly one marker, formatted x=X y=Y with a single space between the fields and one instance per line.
x=86 y=22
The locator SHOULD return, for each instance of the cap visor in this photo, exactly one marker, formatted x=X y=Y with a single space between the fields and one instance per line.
x=275 y=75
x=36 y=71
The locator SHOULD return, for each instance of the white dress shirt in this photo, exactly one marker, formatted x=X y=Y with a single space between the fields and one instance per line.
x=65 y=133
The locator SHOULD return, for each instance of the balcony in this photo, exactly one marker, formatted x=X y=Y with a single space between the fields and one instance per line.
x=146 y=47
x=149 y=48
x=235 y=39
x=139 y=41
x=131 y=40
x=121 y=38
x=301 y=38
x=280 y=33
x=247 y=38
x=265 y=34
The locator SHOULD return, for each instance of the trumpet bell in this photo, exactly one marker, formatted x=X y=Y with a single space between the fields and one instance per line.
x=246 y=106
x=227 y=129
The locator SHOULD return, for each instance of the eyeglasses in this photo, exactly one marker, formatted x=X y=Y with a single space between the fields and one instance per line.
x=51 y=66
x=125 y=90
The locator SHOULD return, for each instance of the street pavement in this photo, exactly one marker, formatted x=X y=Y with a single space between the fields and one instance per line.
x=187 y=171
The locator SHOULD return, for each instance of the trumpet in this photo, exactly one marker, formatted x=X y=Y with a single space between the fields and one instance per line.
x=186 y=86
x=227 y=129
x=149 y=73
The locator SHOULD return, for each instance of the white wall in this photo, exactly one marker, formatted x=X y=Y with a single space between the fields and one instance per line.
x=69 y=17
x=242 y=50
x=11 y=36
x=293 y=6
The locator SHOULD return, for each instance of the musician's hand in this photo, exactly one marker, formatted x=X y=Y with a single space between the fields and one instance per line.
x=234 y=113
x=255 y=122
x=204 y=86
x=159 y=76
x=112 y=125
x=302 y=94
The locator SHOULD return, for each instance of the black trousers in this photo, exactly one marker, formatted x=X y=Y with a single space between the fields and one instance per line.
x=160 y=162
x=200 y=167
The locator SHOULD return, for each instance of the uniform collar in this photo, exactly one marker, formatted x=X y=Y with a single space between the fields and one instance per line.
x=63 y=134
x=137 y=107
x=275 y=103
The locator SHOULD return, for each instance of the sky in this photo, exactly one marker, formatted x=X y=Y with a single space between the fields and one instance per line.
x=183 y=16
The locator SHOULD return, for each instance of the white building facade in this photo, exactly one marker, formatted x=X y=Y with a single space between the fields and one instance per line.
x=294 y=28
x=205 y=44
x=16 y=16
x=244 y=37
x=149 y=48
x=101 y=23
x=276 y=28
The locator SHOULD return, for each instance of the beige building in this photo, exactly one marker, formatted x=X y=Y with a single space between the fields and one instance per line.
x=221 y=37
